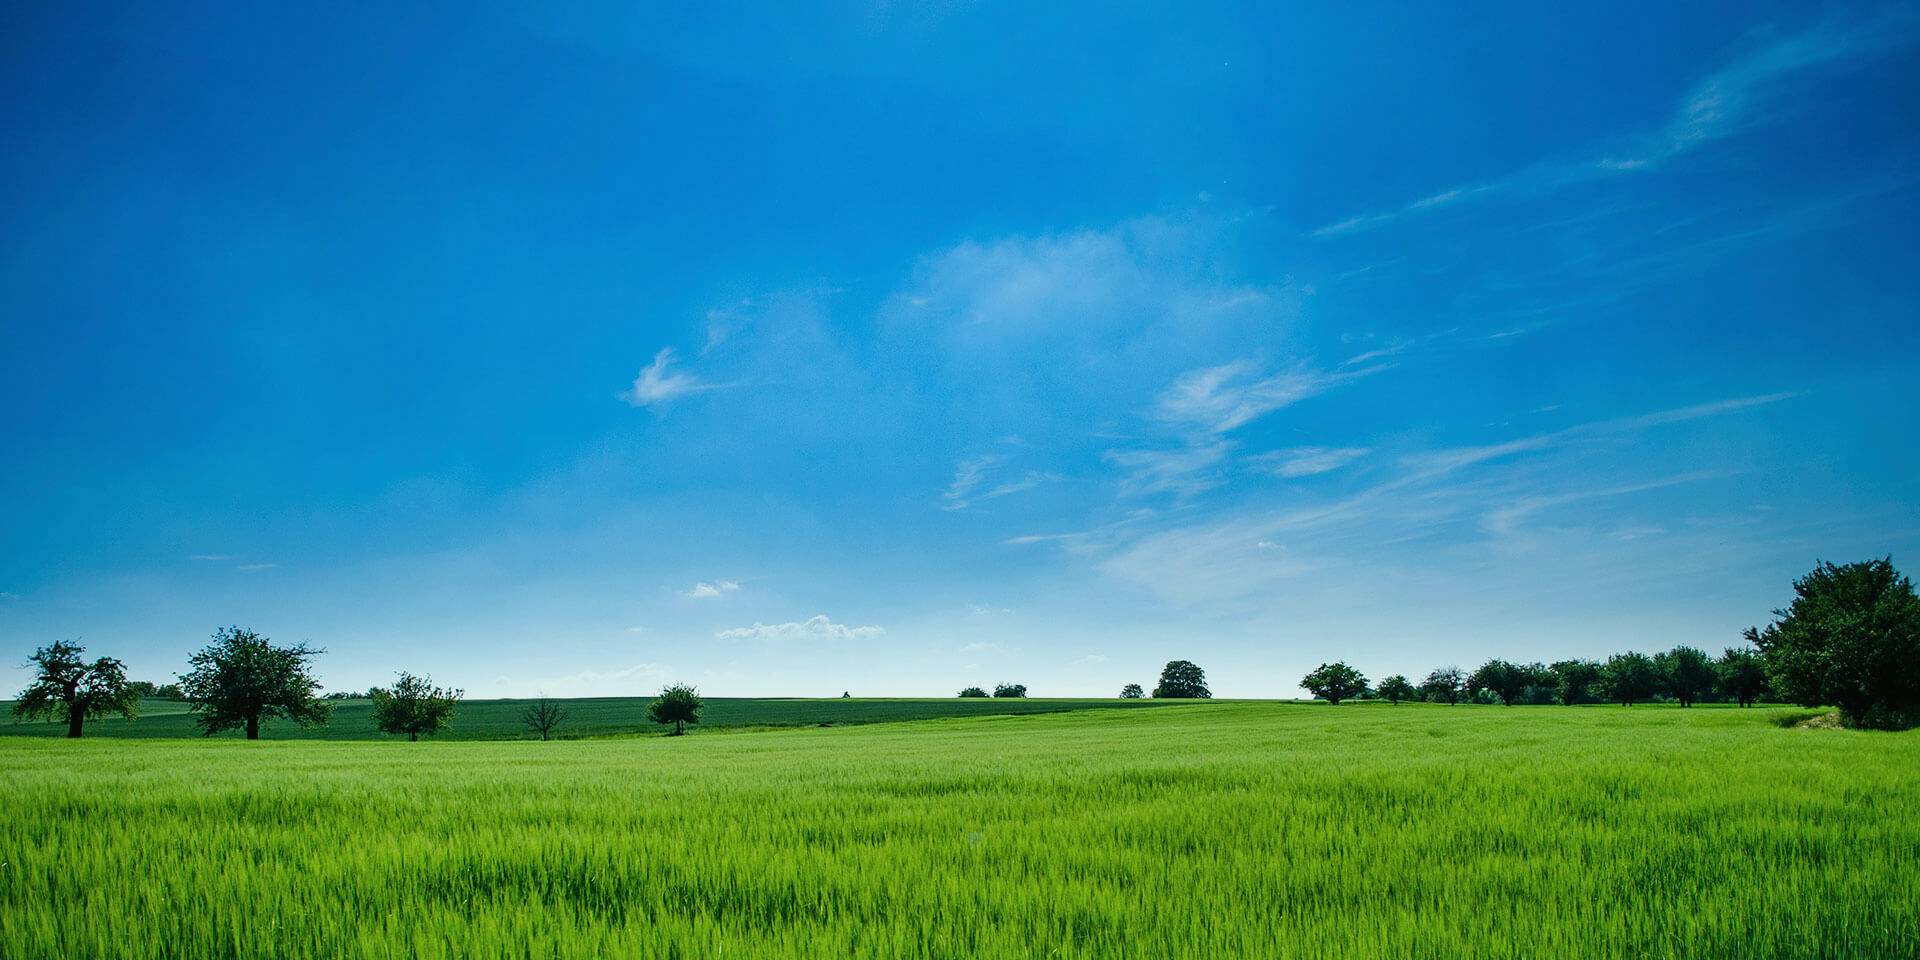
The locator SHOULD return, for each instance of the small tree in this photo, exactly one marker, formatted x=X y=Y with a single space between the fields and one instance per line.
x=1573 y=679
x=1132 y=691
x=1500 y=678
x=678 y=704
x=1010 y=690
x=1685 y=674
x=414 y=706
x=1182 y=680
x=1741 y=675
x=1850 y=638
x=1334 y=682
x=1444 y=684
x=241 y=678
x=68 y=688
x=543 y=715
x=1628 y=677
x=1395 y=689
x=973 y=692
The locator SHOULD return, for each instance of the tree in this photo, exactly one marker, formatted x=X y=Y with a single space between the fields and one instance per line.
x=1334 y=682
x=1628 y=677
x=1573 y=679
x=1182 y=680
x=542 y=715
x=414 y=706
x=1850 y=638
x=241 y=678
x=1132 y=691
x=678 y=704
x=1741 y=675
x=68 y=688
x=1444 y=684
x=1500 y=678
x=170 y=691
x=1010 y=690
x=1685 y=674
x=1395 y=689
x=973 y=692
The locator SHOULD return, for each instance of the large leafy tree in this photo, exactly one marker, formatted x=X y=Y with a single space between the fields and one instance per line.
x=1741 y=675
x=1685 y=673
x=1182 y=680
x=1574 y=679
x=1628 y=677
x=242 y=679
x=1395 y=689
x=66 y=687
x=1016 y=691
x=1502 y=679
x=1334 y=682
x=1445 y=683
x=413 y=706
x=1850 y=638
x=678 y=704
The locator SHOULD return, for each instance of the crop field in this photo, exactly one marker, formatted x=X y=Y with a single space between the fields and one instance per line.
x=1191 y=830
x=588 y=717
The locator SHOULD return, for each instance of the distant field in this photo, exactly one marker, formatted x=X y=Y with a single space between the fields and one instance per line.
x=591 y=717
x=1199 y=830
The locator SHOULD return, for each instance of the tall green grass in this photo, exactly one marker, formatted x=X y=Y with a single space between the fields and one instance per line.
x=1196 y=830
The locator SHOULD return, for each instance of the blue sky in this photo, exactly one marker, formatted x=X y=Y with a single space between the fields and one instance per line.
x=894 y=348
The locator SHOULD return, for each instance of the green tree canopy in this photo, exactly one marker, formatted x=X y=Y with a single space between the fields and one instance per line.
x=1850 y=638
x=1686 y=674
x=678 y=704
x=1132 y=691
x=1010 y=690
x=241 y=679
x=973 y=692
x=1395 y=689
x=67 y=688
x=413 y=706
x=1445 y=684
x=1182 y=680
x=1627 y=677
x=1334 y=682
x=1500 y=678
x=1741 y=674
x=1574 y=680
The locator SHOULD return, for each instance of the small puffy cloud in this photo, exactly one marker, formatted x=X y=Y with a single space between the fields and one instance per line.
x=659 y=384
x=1307 y=461
x=817 y=628
x=705 y=590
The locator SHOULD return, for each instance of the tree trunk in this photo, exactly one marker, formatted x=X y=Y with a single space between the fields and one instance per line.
x=75 y=717
x=413 y=737
x=253 y=727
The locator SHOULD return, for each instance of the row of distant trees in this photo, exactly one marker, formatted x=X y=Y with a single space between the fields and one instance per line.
x=1683 y=675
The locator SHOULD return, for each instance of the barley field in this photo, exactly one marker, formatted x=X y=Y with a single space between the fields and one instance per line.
x=1192 y=830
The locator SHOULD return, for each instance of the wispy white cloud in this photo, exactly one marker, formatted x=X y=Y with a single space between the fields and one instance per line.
x=1744 y=93
x=1219 y=399
x=256 y=566
x=1183 y=471
x=812 y=629
x=1504 y=521
x=1306 y=461
x=970 y=478
x=658 y=384
x=210 y=556
x=703 y=590
x=980 y=647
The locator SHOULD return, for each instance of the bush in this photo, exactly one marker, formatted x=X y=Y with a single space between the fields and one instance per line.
x=1010 y=690
x=973 y=692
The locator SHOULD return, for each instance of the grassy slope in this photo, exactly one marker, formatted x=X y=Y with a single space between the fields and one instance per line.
x=1200 y=830
x=592 y=717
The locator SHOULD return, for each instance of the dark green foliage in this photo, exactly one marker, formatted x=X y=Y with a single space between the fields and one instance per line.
x=241 y=679
x=1501 y=679
x=413 y=706
x=1741 y=675
x=1850 y=639
x=1010 y=690
x=1444 y=686
x=1182 y=680
x=1574 y=680
x=170 y=691
x=1686 y=674
x=1395 y=689
x=1628 y=677
x=1334 y=682
x=67 y=688
x=973 y=692
x=678 y=704
x=1132 y=691
x=542 y=715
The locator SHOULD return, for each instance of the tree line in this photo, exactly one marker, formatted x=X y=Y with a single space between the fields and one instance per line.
x=1849 y=639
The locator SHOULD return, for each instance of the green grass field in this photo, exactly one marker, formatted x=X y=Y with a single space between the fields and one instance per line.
x=1192 y=830
x=590 y=717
